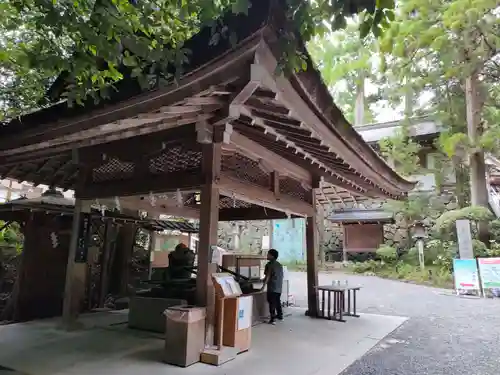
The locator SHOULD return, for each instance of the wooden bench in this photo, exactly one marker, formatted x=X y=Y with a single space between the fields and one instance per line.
x=340 y=296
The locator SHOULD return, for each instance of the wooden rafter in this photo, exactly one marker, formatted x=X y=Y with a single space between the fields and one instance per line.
x=293 y=101
x=262 y=197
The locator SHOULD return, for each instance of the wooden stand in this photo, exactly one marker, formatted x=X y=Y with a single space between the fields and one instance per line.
x=229 y=340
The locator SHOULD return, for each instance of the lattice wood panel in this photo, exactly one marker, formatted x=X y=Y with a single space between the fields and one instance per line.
x=175 y=159
x=293 y=188
x=245 y=169
x=114 y=169
x=228 y=202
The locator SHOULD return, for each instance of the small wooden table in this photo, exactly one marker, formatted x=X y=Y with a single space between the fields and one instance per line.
x=341 y=293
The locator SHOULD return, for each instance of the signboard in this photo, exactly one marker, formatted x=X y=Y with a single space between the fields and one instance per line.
x=226 y=285
x=82 y=244
x=464 y=239
x=466 y=274
x=245 y=312
x=266 y=243
x=490 y=272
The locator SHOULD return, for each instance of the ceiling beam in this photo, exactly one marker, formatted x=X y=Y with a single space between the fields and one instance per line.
x=99 y=136
x=261 y=196
x=278 y=163
x=138 y=203
x=159 y=183
x=251 y=213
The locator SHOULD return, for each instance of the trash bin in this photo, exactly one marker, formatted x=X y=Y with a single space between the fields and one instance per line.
x=184 y=334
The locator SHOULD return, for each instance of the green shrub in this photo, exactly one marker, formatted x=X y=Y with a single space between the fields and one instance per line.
x=445 y=224
x=495 y=229
x=387 y=253
x=368 y=266
x=494 y=250
x=479 y=248
x=404 y=270
x=411 y=257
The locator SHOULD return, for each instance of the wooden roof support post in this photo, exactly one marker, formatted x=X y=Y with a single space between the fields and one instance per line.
x=312 y=245
x=74 y=289
x=211 y=139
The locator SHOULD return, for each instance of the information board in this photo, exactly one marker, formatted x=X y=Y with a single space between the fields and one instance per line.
x=226 y=285
x=489 y=269
x=466 y=274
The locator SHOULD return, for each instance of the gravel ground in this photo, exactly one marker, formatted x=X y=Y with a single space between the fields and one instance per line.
x=445 y=335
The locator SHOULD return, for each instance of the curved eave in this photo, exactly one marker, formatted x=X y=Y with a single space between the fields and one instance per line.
x=370 y=162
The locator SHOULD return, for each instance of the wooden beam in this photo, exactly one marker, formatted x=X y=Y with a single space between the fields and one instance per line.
x=145 y=145
x=312 y=247
x=257 y=74
x=251 y=213
x=160 y=183
x=257 y=152
x=281 y=150
x=275 y=184
x=260 y=196
x=143 y=204
x=100 y=136
x=198 y=80
x=9 y=171
x=333 y=163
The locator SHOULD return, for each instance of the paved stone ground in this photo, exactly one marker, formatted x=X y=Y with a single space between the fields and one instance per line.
x=445 y=335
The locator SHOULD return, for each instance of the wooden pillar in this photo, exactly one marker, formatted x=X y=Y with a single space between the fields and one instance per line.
x=74 y=290
x=105 y=257
x=209 y=218
x=312 y=245
x=151 y=248
x=120 y=263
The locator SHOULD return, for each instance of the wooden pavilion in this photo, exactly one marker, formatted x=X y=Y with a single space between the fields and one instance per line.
x=105 y=266
x=229 y=139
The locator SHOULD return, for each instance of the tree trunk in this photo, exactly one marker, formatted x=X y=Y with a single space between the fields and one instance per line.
x=359 y=108
x=478 y=187
x=408 y=99
x=462 y=183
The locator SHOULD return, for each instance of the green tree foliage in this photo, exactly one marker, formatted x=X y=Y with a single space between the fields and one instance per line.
x=437 y=45
x=91 y=39
x=347 y=63
x=11 y=240
x=416 y=208
x=402 y=151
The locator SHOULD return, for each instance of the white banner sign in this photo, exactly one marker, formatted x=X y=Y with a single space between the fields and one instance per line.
x=245 y=312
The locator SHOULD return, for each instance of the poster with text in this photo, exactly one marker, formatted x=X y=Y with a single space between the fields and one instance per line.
x=245 y=312
x=466 y=274
x=489 y=269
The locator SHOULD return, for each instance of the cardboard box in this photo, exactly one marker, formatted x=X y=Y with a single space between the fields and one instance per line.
x=185 y=335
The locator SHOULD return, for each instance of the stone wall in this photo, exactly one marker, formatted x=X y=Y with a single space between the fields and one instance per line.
x=247 y=235
x=394 y=234
x=244 y=236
